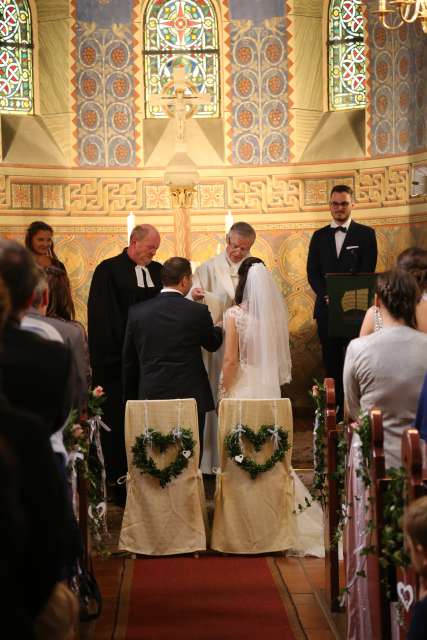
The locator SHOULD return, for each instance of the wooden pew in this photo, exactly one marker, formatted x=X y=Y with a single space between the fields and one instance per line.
x=412 y=461
x=333 y=504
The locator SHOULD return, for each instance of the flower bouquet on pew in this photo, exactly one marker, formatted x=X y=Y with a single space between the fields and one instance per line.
x=82 y=441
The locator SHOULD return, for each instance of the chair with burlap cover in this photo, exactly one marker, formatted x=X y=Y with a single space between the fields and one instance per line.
x=169 y=519
x=254 y=515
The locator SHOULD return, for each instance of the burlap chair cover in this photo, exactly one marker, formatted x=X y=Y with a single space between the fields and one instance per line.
x=169 y=520
x=254 y=516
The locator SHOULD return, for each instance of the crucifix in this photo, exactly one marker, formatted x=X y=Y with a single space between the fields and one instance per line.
x=180 y=105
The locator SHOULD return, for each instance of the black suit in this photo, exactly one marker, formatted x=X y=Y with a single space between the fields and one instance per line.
x=113 y=290
x=323 y=259
x=38 y=375
x=162 y=356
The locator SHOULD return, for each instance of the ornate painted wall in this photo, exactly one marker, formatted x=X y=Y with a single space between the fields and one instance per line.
x=97 y=120
x=398 y=88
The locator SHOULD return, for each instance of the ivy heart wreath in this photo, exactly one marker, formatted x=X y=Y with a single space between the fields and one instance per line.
x=233 y=444
x=151 y=438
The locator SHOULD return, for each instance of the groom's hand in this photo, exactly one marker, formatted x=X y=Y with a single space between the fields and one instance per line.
x=197 y=293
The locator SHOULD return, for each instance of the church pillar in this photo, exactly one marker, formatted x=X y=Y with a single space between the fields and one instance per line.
x=182 y=199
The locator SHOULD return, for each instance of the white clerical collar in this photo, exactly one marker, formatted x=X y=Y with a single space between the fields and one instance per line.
x=170 y=290
x=335 y=224
x=140 y=272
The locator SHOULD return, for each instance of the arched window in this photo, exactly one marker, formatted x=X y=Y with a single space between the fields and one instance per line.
x=16 y=57
x=346 y=54
x=181 y=32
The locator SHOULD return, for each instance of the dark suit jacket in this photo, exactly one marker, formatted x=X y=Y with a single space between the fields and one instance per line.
x=36 y=532
x=38 y=375
x=322 y=258
x=162 y=356
x=113 y=291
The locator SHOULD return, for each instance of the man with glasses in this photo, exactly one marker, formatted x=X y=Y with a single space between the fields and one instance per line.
x=215 y=283
x=343 y=246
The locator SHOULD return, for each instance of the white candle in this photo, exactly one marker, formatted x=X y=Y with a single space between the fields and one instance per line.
x=218 y=248
x=228 y=221
x=130 y=223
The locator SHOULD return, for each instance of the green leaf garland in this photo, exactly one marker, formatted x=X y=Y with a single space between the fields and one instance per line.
x=145 y=463
x=233 y=444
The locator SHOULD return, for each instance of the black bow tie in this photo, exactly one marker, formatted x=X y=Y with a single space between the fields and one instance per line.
x=343 y=229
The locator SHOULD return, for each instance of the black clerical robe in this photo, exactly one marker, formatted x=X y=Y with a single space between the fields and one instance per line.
x=114 y=289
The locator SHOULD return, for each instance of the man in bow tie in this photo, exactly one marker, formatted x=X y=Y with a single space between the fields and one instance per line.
x=117 y=284
x=343 y=246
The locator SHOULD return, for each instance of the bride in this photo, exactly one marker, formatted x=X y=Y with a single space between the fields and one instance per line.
x=257 y=362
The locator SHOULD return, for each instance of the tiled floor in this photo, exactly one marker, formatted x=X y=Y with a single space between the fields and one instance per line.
x=304 y=578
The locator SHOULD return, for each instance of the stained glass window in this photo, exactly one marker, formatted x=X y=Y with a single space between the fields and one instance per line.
x=181 y=32
x=16 y=57
x=347 y=56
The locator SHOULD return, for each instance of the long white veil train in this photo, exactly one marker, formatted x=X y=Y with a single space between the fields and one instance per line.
x=265 y=343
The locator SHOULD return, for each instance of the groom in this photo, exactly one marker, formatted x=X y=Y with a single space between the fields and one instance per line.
x=162 y=356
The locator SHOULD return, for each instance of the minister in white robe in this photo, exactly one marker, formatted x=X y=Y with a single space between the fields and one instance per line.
x=214 y=284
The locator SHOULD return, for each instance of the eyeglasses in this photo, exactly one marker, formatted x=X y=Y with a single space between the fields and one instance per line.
x=340 y=204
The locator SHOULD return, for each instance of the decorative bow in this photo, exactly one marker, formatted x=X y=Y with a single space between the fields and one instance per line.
x=275 y=436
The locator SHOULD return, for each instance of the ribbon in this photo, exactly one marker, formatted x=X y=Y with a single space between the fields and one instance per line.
x=148 y=437
x=275 y=436
x=177 y=433
x=96 y=421
x=95 y=425
x=239 y=430
x=73 y=456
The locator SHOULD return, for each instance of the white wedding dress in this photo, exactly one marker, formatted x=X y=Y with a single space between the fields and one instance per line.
x=254 y=381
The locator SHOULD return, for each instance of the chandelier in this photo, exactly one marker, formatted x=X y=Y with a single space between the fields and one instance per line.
x=407 y=10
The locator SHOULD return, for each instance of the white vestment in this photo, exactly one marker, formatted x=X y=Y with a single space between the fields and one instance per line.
x=218 y=278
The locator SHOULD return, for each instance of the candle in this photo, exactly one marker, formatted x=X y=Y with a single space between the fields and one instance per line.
x=228 y=221
x=131 y=224
x=218 y=248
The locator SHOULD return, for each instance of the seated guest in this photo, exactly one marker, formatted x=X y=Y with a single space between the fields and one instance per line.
x=35 y=530
x=60 y=313
x=413 y=260
x=385 y=370
x=65 y=332
x=37 y=373
x=415 y=526
x=38 y=240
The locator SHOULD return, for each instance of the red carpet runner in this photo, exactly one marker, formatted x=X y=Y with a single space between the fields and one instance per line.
x=206 y=598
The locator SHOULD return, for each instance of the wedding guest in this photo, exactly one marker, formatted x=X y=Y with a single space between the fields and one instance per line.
x=214 y=284
x=413 y=260
x=35 y=530
x=60 y=313
x=36 y=372
x=415 y=526
x=117 y=284
x=343 y=246
x=39 y=240
x=385 y=370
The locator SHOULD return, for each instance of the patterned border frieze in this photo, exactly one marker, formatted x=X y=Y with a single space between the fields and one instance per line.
x=272 y=193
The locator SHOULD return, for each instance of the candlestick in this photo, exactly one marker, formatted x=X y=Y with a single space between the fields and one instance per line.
x=228 y=221
x=130 y=224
